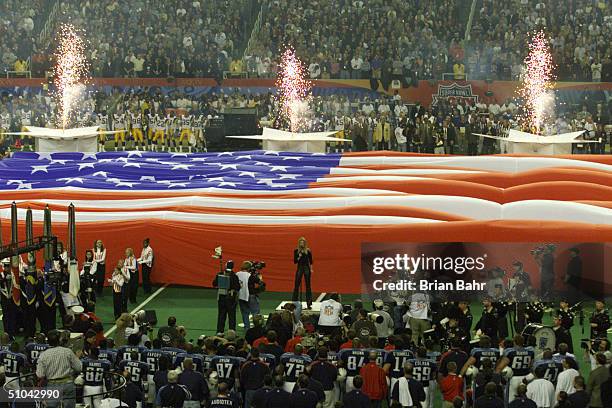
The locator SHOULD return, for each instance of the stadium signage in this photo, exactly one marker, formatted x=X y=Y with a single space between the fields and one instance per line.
x=454 y=91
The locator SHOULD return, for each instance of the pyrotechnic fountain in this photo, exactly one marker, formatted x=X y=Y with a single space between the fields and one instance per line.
x=70 y=78
x=293 y=100
x=538 y=107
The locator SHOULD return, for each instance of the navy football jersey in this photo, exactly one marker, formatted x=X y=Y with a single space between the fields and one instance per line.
x=206 y=361
x=423 y=370
x=294 y=365
x=93 y=371
x=137 y=369
x=173 y=352
x=332 y=357
x=353 y=360
x=226 y=366
x=13 y=363
x=151 y=357
x=548 y=369
x=269 y=359
x=124 y=352
x=485 y=353
x=398 y=359
x=520 y=359
x=33 y=350
x=108 y=355
x=198 y=361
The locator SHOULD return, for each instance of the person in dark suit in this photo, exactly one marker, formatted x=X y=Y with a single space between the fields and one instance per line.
x=573 y=275
x=521 y=400
x=302 y=257
x=606 y=392
x=449 y=134
x=580 y=398
x=228 y=286
x=490 y=398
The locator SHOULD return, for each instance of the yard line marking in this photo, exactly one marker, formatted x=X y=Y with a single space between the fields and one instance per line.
x=140 y=306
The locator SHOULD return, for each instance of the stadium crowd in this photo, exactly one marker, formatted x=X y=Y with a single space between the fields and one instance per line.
x=407 y=353
x=19 y=24
x=580 y=38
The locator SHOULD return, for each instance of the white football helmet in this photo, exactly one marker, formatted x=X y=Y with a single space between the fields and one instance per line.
x=507 y=372
x=341 y=375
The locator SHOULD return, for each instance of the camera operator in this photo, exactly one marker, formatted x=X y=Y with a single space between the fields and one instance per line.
x=595 y=346
x=251 y=284
x=383 y=322
x=228 y=286
x=139 y=326
x=600 y=320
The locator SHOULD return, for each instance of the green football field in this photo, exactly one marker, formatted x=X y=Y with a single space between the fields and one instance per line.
x=196 y=310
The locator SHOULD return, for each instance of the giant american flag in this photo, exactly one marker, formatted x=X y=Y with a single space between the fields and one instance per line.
x=257 y=203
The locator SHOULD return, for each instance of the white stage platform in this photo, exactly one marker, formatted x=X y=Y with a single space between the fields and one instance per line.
x=283 y=141
x=64 y=140
x=528 y=143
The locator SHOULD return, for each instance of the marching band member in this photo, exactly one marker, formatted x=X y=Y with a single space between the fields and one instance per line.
x=129 y=264
x=118 y=280
x=99 y=254
x=565 y=314
x=489 y=322
x=9 y=309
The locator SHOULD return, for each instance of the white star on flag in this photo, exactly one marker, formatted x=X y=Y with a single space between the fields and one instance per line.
x=86 y=165
x=122 y=159
x=134 y=153
x=147 y=178
x=229 y=166
x=14 y=182
x=288 y=176
x=181 y=166
x=24 y=186
x=258 y=163
x=101 y=174
x=199 y=159
x=224 y=154
x=42 y=156
x=246 y=156
x=292 y=158
x=55 y=161
x=265 y=181
x=280 y=168
x=279 y=185
x=93 y=156
x=39 y=168
x=271 y=152
x=227 y=183
x=170 y=185
x=212 y=179
x=131 y=165
x=69 y=180
x=125 y=184
x=178 y=155
x=247 y=173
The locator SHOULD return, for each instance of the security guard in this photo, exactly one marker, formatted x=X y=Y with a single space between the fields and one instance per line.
x=600 y=321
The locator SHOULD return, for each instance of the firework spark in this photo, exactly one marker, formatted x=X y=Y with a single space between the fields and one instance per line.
x=294 y=92
x=70 y=72
x=537 y=85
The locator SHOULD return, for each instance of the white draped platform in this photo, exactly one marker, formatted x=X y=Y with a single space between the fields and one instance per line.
x=64 y=140
x=529 y=143
x=283 y=141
